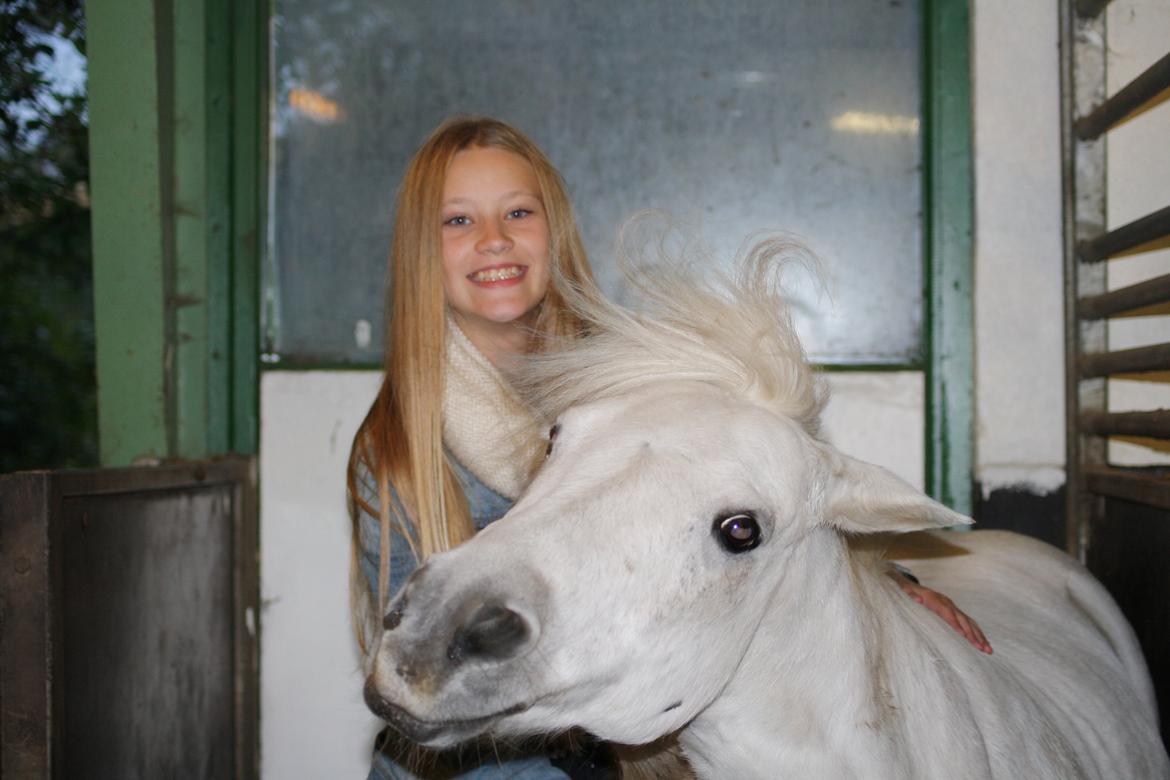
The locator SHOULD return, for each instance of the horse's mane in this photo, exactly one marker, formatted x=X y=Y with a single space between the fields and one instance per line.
x=729 y=328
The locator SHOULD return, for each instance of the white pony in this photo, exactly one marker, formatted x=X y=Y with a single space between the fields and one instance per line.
x=693 y=557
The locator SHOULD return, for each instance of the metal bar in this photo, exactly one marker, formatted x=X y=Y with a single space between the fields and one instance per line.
x=1130 y=486
x=1141 y=231
x=1088 y=9
x=1082 y=86
x=1126 y=361
x=1155 y=424
x=948 y=228
x=1133 y=96
x=1151 y=291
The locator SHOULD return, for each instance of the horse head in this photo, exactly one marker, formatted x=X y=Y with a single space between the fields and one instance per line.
x=686 y=501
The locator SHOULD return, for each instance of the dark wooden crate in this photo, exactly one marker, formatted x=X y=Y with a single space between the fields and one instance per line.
x=128 y=604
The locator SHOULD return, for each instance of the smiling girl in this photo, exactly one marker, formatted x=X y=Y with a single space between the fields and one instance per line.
x=484 y=237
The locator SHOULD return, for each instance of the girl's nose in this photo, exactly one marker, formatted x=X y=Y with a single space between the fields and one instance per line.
x=494 y=238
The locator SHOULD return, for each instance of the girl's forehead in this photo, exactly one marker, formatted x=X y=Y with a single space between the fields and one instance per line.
x=481 y=169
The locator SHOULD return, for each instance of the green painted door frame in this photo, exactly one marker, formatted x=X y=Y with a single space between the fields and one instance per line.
x=949 y=192
x=176 y=149
x=178 y=129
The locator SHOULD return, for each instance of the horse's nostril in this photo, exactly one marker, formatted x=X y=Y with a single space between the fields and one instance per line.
x=406 y=672
x=493 y=631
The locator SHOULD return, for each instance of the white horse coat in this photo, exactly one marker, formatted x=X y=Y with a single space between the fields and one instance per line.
x=691 y=556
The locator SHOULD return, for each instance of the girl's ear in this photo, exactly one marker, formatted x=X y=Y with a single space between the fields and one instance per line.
x=862 y=498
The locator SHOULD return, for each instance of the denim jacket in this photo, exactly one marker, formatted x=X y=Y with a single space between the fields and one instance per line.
x=486 y=506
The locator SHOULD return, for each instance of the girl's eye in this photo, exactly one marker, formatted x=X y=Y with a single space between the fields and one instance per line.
x=457 y=221
x=519 y=213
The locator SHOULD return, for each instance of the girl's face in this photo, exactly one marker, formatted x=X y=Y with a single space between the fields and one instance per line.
x=495 y=247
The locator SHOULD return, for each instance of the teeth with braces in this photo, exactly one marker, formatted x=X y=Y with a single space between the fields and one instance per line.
x=496 y=274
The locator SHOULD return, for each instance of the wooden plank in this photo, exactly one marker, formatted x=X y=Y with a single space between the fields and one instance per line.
x=1125 y=299
x=1132 y=97
x=128 y=192
x=1155 y=424
x=1126 y=361
x=1146 y=230
x=1139 y=487
x=249 y=161
x=26 y=597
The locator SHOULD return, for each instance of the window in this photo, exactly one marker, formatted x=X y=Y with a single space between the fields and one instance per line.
x=802 y=116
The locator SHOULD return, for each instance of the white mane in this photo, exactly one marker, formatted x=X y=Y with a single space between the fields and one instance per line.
x=732 y=330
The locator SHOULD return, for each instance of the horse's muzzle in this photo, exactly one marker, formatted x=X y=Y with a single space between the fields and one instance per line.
x=436 y=734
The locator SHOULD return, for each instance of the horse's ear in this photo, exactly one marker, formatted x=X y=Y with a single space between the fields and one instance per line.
x=863 y=498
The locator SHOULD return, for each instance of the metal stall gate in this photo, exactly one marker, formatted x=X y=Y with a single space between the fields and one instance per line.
x=1118 y=518
x=128 y=602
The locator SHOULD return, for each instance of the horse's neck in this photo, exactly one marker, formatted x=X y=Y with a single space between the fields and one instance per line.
x=810 y=698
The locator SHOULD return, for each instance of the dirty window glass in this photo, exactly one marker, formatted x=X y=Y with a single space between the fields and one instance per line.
x=800 y=116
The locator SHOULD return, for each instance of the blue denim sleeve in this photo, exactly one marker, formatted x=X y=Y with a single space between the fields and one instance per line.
x=531 y=768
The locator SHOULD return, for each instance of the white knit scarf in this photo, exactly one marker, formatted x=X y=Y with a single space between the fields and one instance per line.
x=485 y=424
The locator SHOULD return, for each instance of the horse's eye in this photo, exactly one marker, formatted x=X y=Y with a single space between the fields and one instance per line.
x=738 y=532
x=552 y=435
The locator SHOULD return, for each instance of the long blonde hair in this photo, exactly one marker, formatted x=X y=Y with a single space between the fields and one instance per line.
x=400 y=442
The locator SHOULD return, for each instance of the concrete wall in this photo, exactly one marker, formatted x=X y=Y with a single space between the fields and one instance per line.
x=313 y=721
x=1019 y=358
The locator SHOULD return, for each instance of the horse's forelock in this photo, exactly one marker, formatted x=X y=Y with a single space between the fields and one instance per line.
x=732 y=329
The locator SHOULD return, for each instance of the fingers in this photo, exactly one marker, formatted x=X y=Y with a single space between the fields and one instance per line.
x=970 y=629
x=982 y=642
x=951 y=615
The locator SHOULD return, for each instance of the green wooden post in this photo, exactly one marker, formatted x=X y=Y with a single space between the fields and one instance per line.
x=948 y=235
x=174 y=139
x=249 y=159
x=127 y=190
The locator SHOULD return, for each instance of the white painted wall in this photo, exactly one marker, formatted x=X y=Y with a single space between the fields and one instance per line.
x=313 y=723
x=1019 y=347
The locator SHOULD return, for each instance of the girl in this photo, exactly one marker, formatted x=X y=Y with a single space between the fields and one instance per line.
x=484 y=241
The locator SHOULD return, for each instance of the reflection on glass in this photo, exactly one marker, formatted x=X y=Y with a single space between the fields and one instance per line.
x=313 y=105
x=799 y=116
x=861 y=122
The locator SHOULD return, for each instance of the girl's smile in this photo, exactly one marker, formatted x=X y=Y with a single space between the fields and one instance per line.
x=498 y=275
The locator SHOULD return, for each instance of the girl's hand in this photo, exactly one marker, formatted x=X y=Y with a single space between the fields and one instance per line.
x=945 y=609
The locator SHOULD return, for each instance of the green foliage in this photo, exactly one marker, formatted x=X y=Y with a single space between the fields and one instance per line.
x=47 y=380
